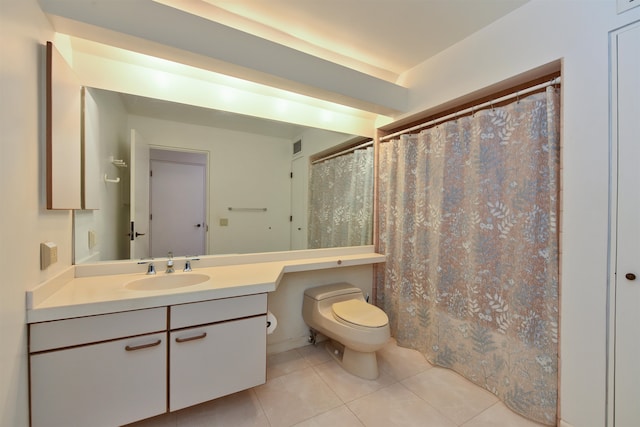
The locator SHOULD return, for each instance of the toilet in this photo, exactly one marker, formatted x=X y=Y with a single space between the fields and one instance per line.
x=356 y=329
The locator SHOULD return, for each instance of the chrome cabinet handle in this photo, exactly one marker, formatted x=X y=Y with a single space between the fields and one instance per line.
x=197 y=337
x=140 y=347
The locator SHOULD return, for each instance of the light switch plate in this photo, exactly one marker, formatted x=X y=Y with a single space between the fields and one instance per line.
x=224 y=222
x=48 y=254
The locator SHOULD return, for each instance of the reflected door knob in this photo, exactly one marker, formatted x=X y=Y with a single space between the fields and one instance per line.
x=630 y=276
x=198 y=225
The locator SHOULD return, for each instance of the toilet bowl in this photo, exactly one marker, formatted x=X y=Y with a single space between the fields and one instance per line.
x=357 y=329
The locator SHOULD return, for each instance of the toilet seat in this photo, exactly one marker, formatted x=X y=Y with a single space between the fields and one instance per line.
x=359 y=313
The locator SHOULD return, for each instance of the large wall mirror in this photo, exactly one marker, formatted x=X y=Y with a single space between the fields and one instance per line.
x=166 y=177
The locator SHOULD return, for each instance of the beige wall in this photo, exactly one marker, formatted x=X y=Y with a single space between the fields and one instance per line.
x=24 y=222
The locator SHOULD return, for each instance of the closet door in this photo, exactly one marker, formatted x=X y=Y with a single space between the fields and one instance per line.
x=627 y=279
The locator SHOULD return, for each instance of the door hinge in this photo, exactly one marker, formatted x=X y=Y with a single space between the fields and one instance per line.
x=290 y=218
x=291 y=175
x=150 y=172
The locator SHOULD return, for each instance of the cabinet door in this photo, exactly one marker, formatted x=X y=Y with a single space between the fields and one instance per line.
x=216 y=360
x=107 y=384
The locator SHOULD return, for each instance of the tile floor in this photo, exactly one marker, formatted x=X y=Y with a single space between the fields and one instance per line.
x=307 y=388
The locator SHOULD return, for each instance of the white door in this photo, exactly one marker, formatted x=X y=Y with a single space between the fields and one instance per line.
x=627 y=297
x=139 y=197
x=299 y=194
x=178 y=214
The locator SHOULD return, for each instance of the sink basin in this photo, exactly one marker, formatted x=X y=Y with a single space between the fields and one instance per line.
x=166 y=281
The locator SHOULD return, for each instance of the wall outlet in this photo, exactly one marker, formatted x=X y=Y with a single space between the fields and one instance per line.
x=48 y=254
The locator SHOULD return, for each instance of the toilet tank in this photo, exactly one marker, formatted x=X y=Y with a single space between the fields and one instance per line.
x=332 y=291
x=320 y=299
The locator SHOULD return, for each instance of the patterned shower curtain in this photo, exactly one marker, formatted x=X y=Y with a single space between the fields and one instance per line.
x=468 y=221
x=341 y=201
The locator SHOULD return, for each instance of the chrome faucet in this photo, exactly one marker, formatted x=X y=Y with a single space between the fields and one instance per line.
x=187 y=263
x=170 y=268
x=150 y=269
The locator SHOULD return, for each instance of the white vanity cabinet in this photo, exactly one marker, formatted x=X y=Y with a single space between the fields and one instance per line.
x=216 y=348
x=104 y=370
x=114 y=369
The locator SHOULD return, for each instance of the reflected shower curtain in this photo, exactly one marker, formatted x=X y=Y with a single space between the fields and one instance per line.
x=468 y=221
x=341 y=201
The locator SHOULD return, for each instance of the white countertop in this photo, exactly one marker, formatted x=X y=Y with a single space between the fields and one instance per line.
x=68 y=295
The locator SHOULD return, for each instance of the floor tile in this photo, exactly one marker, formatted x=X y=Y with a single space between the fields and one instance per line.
x=401 y=362
x=315 y=354
x=338 y=417
x=394 y=406
x=239 y=410
x=348 y=386
x=454 y=396
x=295 y=397
x=307 y=388
x=284 y=363
x=164 y=420
x=499 y=415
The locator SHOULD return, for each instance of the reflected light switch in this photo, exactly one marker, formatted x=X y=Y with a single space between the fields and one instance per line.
x=224 y=222
x=92 y=239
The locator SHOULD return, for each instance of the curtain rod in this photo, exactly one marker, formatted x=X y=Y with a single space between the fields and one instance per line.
x=340 y=153
x=472 y=109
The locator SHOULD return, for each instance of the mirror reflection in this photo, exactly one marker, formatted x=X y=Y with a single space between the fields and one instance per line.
x=174 y=178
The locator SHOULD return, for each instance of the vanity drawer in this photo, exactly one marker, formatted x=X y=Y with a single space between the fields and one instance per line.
x=202 y=313
x=91 y=329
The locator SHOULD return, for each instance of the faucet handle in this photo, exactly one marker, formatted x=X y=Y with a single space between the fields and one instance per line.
x=150 y=269
x=187 y=263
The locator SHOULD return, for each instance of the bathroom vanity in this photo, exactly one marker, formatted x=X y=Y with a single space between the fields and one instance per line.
x=104 y=353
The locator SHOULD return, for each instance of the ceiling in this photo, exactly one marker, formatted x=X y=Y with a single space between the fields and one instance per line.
x=383 y=38
x=183 y=113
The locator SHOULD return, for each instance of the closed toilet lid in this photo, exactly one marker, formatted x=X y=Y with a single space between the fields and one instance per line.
x=360 y=313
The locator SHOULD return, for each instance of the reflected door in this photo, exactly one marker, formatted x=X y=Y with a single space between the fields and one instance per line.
x=139 y=197
x=178 y=223
x=299 y=203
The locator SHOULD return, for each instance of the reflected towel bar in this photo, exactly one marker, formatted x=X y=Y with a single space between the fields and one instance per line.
x=107 y=179
x=249 y=209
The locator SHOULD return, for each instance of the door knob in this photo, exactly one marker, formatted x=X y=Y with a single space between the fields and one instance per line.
x=630 y=276
x=139 y=234
x=198 y=225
